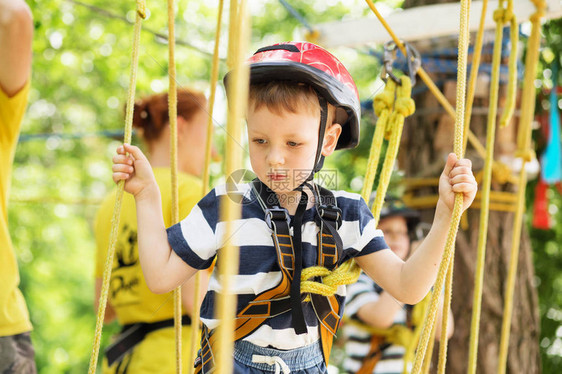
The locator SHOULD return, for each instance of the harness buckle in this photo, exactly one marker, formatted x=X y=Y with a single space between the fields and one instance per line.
x=331 y=213
x=276 y=214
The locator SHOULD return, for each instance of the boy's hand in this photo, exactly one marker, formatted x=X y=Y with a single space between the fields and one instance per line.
x=457 y=177
x=134 y=169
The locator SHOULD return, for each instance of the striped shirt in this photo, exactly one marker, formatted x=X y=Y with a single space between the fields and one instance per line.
x=358 y=340
x=199 y=236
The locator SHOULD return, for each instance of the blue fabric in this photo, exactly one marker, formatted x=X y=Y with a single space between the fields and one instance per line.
x=305 y=360
x=257 y=253
x=552 y=158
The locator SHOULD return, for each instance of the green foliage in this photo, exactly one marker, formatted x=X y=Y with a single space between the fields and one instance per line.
x=81 y=62
x=546 y=243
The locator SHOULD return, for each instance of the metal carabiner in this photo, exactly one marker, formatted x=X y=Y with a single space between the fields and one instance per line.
x=413 y=60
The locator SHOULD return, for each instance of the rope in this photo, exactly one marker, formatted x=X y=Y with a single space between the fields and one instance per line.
x=173 y=119
x=509 y=108
x=346 y=273
x=476 y=57
x=230 y=211
x=524 y=140
x=448 y=254
x=158 y=36
x=428 y=82
x=382 y=105
x=140 y=14
x=403 y=107
x=501 y=17
x=400 y=334
x=195 y=315
x=298 y=16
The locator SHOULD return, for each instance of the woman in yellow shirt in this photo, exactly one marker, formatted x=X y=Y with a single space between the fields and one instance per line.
x=146 y=344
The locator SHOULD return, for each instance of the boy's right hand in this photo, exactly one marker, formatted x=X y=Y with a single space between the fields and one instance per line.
x=132 y=166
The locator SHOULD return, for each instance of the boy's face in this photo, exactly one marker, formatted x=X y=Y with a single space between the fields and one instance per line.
x=395 y=231
x=283 y=146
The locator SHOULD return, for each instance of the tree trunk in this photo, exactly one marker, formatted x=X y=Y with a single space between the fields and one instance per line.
x=428 y=137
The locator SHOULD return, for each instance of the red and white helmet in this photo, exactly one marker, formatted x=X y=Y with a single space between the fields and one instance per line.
x=308 y=63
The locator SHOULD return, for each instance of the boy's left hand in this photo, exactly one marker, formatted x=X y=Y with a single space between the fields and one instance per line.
x=457 y=177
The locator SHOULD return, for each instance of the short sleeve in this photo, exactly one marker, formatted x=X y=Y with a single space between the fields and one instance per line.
x=368 y=239
x=193 y=239
x=360 y=293
x=102 y=227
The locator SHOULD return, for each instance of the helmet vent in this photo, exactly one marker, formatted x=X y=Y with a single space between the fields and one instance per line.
x=286 y=47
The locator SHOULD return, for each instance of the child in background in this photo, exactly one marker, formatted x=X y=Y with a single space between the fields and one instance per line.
x=379 y=331
x=303 y=105
x=147 y=339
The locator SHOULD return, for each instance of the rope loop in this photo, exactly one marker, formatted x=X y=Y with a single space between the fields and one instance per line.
x=346 y=273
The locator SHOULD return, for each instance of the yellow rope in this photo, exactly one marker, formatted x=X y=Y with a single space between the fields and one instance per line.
x=403 y=107
x=195 y=315
x=400 y=334
x=500 y=16
x=448 y=254
x=140 y=14
x=429 y=354
x=444 y=340
x=382 y=105
x=230 y=211
x=173 y=119
x=476 y=57
x=427 y=80
x=524 y=140
x=346 y=273
x=512 y=82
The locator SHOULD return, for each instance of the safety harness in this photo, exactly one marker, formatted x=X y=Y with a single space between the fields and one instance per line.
x=286 y=296
x=132 y=334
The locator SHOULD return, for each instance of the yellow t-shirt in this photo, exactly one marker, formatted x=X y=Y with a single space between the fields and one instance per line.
x=14 y=318
x=128 y=294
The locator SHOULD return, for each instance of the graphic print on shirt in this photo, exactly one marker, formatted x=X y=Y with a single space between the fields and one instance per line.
x=125 y=277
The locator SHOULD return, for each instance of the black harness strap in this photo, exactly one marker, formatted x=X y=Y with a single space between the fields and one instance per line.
x=133 y=334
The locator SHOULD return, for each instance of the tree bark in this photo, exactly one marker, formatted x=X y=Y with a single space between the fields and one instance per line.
x=424 y=143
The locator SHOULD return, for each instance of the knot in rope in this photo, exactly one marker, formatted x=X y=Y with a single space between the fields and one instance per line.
x=141 y=8
x=404 y=104
x=501 y=173
x=503 y=16
x=527 y=155
x=346 y=273
x=385 y=100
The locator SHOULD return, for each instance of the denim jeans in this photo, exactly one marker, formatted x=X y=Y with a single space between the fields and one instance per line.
x=252 y=359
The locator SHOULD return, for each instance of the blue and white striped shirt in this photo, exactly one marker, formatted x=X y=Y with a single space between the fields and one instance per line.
x=198 y=237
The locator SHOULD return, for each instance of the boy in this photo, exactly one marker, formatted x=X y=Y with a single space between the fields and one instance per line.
x=303 y=105
x=379 y=331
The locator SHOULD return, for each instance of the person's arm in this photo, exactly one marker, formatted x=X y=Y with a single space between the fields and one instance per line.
x=380 y=313
x=109 y=311
x=163 y=269
x=410 y=281
x=16 y=34
x=188 y=292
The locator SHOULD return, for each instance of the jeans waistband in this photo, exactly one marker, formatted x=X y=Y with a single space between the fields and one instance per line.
x=296 y=359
